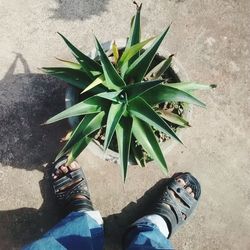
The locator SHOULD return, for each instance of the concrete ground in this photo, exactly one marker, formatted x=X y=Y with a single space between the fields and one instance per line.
x=211 y=39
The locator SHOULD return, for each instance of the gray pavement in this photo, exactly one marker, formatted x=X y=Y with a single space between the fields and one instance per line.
x=211 y=39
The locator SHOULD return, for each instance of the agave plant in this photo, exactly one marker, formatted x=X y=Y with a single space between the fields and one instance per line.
x=124 y=92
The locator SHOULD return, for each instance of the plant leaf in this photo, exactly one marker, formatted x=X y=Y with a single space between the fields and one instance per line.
x=91 y=105
x=159 y=69
x=135 y=30
x=115 y=52
x=139 y=108
x=99 y=80
x=89 y=124
x=87 y=63
x=139 y=67
x=145 y=136
x=129 y=53
x=164 y=93
x=112 y=96
x=115 y=113
x=112 y=78
x=192 y=86
x=137 y=89
x=70 y=64
x=134 y=37
x=174 y=118
x=123 y=134
x=77 y=149
x=76 y=78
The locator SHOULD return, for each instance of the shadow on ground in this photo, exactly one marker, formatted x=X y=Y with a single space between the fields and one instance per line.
x=78 y=9
x=23 y=225
x=27 y=100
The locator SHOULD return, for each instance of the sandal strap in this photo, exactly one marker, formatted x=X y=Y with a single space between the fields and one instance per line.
x=80 y=205
x=80 y=188
x=67 y=179
x=182 y=194
x=168 y=215
x=179 y=208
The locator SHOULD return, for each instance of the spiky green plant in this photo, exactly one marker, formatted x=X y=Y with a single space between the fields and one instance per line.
x=123 y=96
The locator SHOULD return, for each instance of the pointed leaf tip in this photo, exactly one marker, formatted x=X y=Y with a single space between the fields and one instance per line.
x=86 y=62
x=138 y=7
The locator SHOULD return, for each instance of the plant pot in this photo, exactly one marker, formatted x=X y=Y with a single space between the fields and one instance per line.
x=72 y=96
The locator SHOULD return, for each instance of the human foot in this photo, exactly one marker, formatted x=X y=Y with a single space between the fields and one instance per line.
x=178 y=200
x=70 y=186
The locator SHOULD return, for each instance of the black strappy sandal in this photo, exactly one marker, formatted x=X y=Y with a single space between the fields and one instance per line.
x=181 y=208
x=68 y=186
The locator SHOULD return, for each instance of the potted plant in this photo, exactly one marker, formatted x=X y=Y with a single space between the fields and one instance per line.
x=131 y=99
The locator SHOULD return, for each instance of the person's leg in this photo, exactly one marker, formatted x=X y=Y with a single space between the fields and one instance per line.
x=82 y=228
x=170 y=210
x=78 y=230
x=149 y=232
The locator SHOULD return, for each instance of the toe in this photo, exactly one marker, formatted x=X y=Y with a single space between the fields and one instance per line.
x=73 y=166
x=56 y=174
x=189 y=190
x=181 y=182
x=64 y=169
x=192 y=194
